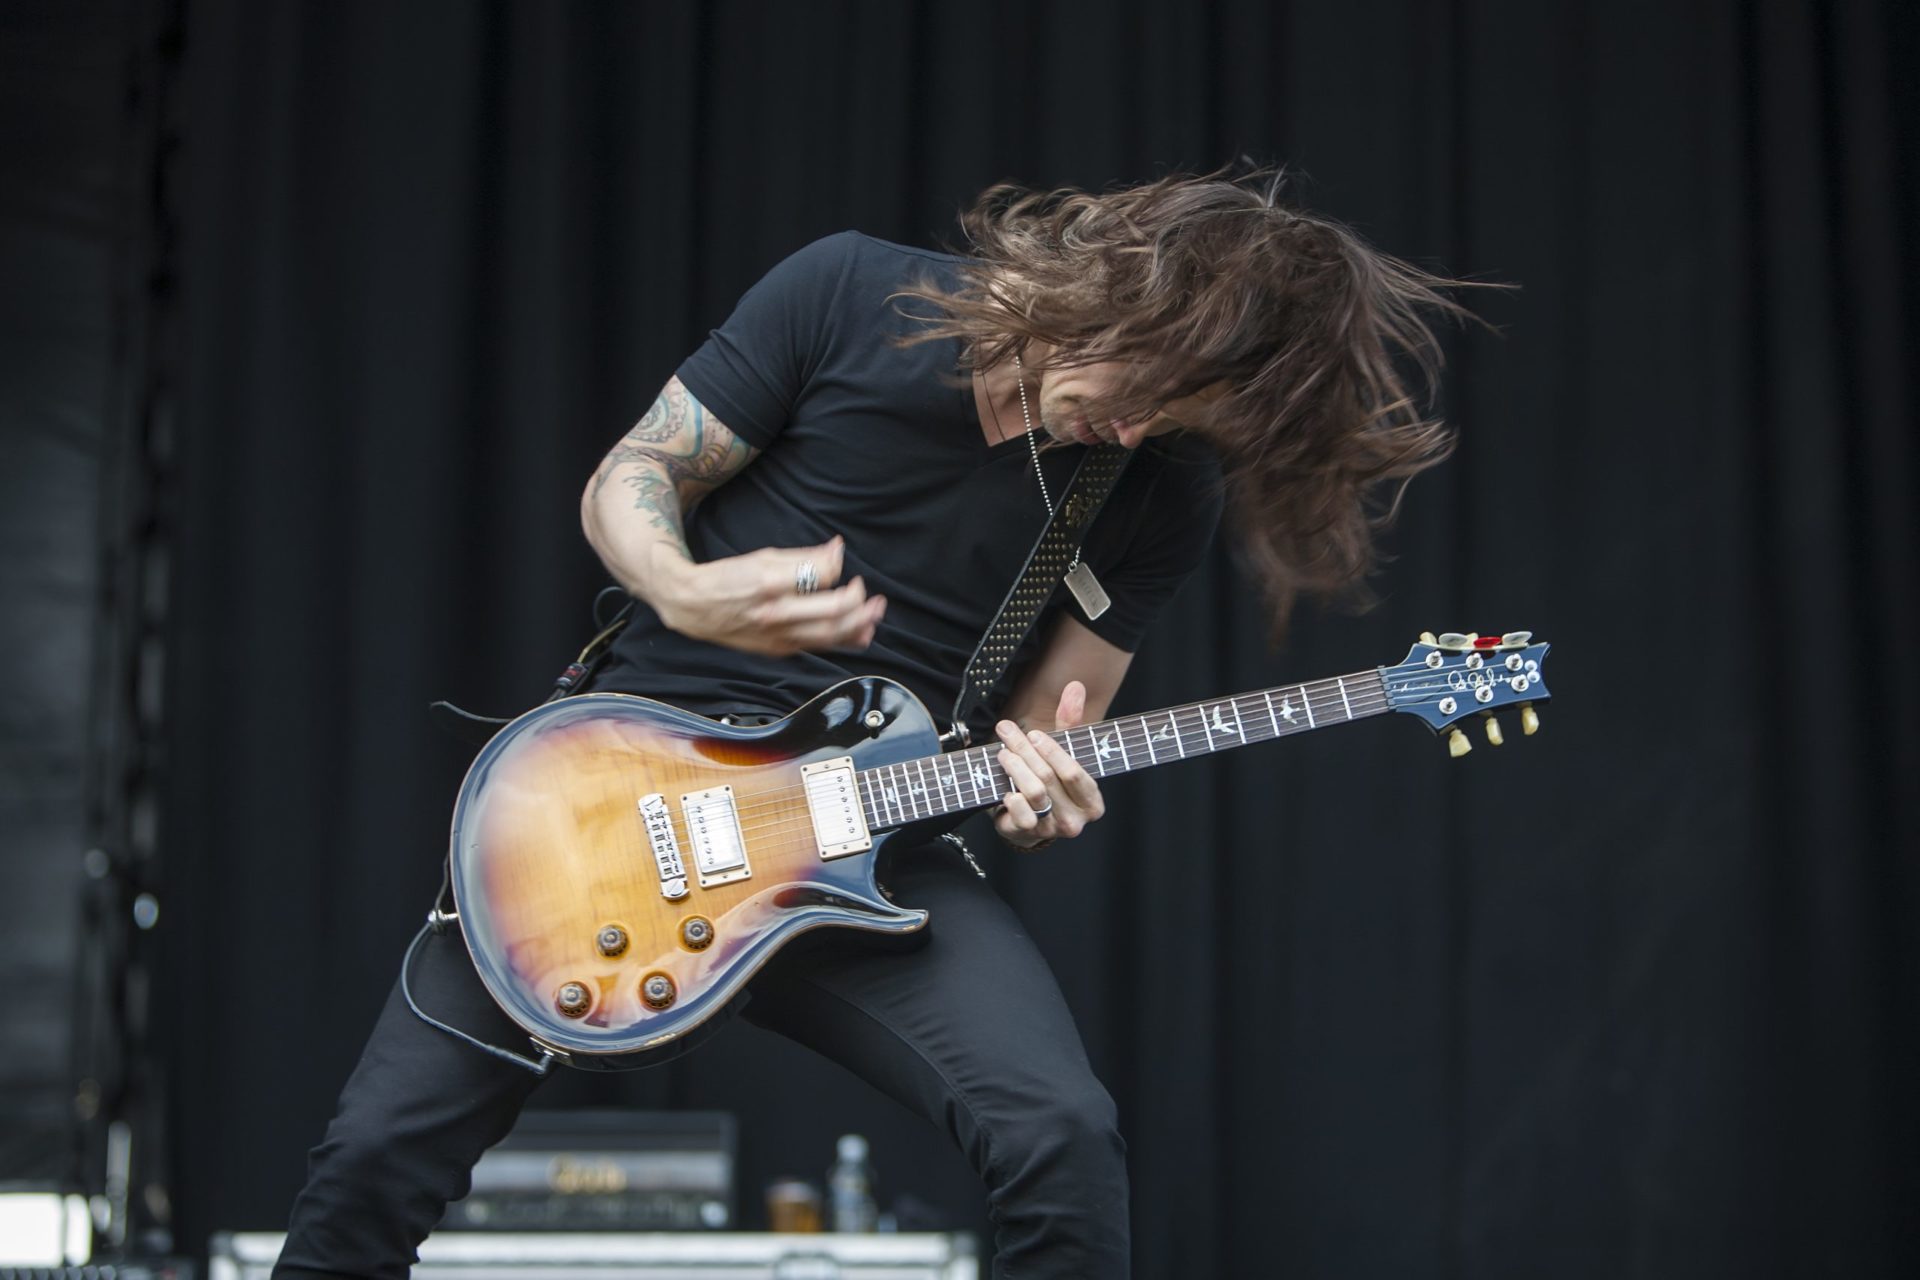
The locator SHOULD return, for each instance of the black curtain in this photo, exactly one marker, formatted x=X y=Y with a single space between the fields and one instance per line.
x=65 y=188
x=1632 y=997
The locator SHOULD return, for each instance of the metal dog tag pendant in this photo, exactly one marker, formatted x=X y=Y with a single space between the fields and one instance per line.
x=1087 y=590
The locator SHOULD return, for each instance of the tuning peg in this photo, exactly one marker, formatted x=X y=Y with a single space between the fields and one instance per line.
x=1427 y=637
x=1529 y=719
x=1457 y=744
x=1494 y=736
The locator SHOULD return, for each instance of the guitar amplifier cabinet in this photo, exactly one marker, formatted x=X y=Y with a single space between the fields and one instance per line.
x=450 y=1255
x=604 y=1171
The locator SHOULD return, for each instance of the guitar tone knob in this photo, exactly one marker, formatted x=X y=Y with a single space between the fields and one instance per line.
x=611 y=940
x=657 y=990
x=696 y=933
x=572 y=999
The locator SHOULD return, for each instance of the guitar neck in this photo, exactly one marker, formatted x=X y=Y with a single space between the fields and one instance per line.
x=958 y=781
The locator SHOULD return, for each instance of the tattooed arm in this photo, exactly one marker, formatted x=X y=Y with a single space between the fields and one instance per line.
x=633 y=512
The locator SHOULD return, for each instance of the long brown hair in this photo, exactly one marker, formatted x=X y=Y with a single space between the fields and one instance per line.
x=1196 y=281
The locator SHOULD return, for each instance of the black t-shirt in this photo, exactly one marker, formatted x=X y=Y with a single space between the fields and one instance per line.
x=882 y=444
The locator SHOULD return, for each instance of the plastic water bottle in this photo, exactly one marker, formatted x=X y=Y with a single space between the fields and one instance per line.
x=850 y=1204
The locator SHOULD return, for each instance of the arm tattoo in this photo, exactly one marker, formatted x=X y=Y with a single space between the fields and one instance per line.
x=674 y=456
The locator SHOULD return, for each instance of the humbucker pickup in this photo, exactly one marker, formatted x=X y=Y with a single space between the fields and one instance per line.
x=713 y=825
x=833 y=798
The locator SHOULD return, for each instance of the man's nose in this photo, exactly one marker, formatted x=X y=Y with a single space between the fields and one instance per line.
x=1130 y=434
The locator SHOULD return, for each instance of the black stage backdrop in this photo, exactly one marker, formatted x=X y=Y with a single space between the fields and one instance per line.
x=1634 y=997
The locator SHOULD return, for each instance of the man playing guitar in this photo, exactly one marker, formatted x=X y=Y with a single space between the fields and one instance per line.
x=846 y=479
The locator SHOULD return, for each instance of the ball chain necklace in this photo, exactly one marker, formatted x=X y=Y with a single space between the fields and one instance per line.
x=1086 y=588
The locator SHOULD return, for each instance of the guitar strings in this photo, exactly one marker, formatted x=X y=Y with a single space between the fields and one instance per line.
x=1251 y=730
x=793 y=821
x=752 y=809
x=1367 y=701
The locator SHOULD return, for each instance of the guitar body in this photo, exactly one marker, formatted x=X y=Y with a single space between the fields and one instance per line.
x=564 y=893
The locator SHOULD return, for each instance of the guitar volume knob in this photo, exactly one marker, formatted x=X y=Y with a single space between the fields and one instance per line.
x=611 y=940
x=657 y=990
x=572 y=999
x=696 y=933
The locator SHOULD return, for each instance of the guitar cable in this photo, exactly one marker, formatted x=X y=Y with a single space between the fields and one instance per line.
x=437 y=921
x=438 y=918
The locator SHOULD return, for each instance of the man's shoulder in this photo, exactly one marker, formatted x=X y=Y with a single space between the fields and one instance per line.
x=855 y=254
x=886 y=250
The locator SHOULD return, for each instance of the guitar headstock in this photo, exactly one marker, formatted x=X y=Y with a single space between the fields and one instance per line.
x=1446 y=678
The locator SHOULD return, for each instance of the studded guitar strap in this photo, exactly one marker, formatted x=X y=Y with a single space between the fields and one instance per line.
x=1046 y=565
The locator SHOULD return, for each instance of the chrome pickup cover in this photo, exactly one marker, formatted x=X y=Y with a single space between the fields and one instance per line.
x=719 y=850
x=839 y=825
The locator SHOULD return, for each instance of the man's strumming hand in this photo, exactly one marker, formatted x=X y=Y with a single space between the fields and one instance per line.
x=753 y=602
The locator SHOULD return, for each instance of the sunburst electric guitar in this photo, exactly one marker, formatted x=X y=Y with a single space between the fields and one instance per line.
x=621 y=867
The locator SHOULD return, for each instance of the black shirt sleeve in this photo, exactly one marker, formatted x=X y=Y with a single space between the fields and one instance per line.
x=750 y=371
x=1172 y=521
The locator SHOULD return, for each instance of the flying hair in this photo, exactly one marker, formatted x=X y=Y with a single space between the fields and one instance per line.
x=1319 y=347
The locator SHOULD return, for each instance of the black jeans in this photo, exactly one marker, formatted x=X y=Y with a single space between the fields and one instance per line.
x=969 y=1031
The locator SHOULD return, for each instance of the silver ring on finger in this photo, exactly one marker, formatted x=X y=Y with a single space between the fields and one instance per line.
x=806 y=578
x=1041 y=813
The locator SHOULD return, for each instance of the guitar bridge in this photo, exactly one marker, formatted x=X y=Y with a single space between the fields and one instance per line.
x=833 y=798
x=658 y=821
